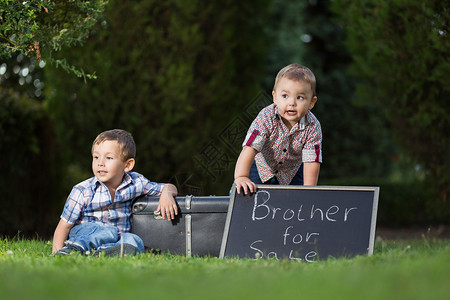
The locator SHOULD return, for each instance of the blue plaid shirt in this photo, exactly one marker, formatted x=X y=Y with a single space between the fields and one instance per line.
x=90 y=201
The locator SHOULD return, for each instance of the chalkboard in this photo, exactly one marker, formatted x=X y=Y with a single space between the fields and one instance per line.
x=301 y=223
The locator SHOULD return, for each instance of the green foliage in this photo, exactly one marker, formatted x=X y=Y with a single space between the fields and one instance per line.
x=397 y=270
x=402 y=203
x=23 y=74
x=172 y=73
x=180 y=76
x=284 y=29
x=400 y=52
x=30 y=189
x=405 y=204
x=356 y=138
x=39 y=28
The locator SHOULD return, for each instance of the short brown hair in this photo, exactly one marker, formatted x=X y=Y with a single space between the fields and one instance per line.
x=298 y=73
x=123 y=138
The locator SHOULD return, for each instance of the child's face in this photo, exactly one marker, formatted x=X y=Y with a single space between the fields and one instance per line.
x=293 y=100
x=108 y=165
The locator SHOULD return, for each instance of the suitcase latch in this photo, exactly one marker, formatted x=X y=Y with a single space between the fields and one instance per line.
x=188 y=201
x=188 y=226
x=157 y=215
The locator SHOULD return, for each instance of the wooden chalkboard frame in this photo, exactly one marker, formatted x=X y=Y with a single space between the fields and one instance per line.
x=373 y=216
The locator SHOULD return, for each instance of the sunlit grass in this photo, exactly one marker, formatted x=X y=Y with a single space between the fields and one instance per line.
x=397 y=270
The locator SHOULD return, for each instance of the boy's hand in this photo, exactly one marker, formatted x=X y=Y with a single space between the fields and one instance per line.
x=167 y=205
x=246 y=184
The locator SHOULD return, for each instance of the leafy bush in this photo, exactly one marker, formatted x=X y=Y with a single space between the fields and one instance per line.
x=402 y=203
x=30 y=189
x=38 y=28
x=400 y=53
x=173 y=74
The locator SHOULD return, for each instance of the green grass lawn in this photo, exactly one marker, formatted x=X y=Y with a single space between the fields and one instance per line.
x=397 y=270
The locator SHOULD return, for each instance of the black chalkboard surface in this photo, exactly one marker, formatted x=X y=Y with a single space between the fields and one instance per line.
x=301 y=223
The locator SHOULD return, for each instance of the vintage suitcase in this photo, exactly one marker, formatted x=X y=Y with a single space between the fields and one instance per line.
x=196 y=230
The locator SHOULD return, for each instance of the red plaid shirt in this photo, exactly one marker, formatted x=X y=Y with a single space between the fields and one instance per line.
x=280 y=151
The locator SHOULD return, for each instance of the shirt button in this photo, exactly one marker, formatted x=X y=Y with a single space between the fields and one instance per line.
x=284 y=150
x=276 y=171
x=280 y=163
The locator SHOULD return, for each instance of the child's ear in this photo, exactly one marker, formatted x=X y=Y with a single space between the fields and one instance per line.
x=129 y=165
x=274 y=95
x=313 y=102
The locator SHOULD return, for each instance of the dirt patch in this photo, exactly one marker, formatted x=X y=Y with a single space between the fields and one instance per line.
x=440 y=231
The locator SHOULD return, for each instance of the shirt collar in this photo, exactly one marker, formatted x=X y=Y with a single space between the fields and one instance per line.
x=302 y=123
x=95 y=182
x=127 y=179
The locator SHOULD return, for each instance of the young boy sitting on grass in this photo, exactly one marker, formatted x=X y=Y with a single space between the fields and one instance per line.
x=97 y=214
x=284 y=142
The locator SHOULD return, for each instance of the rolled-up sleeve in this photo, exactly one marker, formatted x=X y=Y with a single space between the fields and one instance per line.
x=254 y=139
x=260 y=129
x=312 y=150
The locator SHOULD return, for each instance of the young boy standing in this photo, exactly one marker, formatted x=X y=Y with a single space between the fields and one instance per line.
x=97 y=213
x=284 y=143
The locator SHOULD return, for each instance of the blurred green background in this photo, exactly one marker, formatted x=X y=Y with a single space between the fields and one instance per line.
x=186 y=78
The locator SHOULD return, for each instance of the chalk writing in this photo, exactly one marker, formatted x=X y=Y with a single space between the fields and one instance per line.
x=298 y=238
x=302 y=224
x=262 y=210
x=308 y=257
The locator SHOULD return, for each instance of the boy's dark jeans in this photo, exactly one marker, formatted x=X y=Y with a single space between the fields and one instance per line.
x=254 y=176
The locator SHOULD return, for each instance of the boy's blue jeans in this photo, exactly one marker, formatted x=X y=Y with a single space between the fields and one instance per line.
x=254 y=176
x=91 y=236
